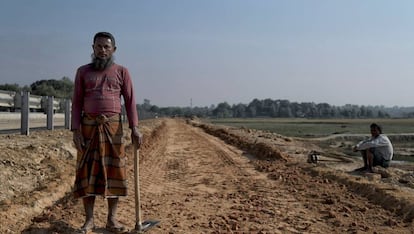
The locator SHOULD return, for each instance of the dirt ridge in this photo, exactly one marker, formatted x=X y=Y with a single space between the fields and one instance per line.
x=392 y=198
x=395 y=199
x=253 y=146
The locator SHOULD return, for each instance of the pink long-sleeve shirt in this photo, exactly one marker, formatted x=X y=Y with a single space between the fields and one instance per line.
x=99 y=92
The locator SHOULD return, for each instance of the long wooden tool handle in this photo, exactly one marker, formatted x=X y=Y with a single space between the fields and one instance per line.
x=137 y=192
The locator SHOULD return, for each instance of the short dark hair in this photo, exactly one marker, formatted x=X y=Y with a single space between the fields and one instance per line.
x=106 y=35
x=374 y=125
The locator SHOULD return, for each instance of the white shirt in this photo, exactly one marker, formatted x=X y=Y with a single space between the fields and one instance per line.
x=382 y=145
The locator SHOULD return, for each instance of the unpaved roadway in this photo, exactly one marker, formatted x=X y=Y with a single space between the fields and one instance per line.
x=196 y=183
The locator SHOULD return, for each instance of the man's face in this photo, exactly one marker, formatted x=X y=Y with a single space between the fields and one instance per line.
x=103 y=48
x=375 y=132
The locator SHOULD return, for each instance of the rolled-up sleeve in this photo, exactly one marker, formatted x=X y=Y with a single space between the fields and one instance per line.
x=380 y=141
x=77 y=101
x=129 y=98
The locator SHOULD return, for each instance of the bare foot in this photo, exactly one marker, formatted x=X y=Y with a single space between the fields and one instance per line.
x=361 y=169
x=369 y=170
x=87 y=226
x=114 y=226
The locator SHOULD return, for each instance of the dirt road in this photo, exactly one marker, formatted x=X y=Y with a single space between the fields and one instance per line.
x=196 y=183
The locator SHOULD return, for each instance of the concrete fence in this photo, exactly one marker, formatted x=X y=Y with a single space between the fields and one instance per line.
x=7 y=99
x=27 y=111
x=11 y=101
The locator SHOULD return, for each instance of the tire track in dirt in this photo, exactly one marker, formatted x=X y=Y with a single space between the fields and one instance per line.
x=219 y=191
x=206 y=186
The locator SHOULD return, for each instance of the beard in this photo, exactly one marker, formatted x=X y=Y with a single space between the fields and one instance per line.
x=101 y=64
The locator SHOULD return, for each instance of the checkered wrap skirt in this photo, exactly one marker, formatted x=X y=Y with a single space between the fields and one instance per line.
x=101 y=168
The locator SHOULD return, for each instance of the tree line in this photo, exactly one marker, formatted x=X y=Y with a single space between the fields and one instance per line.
x=270 y=108
x=62 y=88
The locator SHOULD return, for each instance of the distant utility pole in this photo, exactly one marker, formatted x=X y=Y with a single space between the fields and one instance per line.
x=191 y=103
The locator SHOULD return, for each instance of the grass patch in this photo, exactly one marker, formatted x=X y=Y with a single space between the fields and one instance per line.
x=298 y=127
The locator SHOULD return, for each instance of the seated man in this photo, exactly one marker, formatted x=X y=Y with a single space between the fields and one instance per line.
x=375 y=151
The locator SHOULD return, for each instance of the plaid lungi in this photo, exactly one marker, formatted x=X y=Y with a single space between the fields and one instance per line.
x=101 y=166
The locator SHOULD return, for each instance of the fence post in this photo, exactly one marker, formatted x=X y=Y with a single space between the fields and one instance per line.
x=67 y=113
x=24 y=113
x=49 y=113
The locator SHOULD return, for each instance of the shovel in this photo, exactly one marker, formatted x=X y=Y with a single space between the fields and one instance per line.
x=140 y=226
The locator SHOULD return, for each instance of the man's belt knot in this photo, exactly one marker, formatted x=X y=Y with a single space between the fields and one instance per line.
x=101 y=119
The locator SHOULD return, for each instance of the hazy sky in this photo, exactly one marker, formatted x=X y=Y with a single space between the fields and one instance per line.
x=211 y=51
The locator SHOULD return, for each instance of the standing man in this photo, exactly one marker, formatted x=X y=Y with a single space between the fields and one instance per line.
x=375 y=151
x=97 y=130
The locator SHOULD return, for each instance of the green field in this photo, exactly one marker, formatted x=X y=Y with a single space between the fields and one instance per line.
x=319 y=127
x=313 y=128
